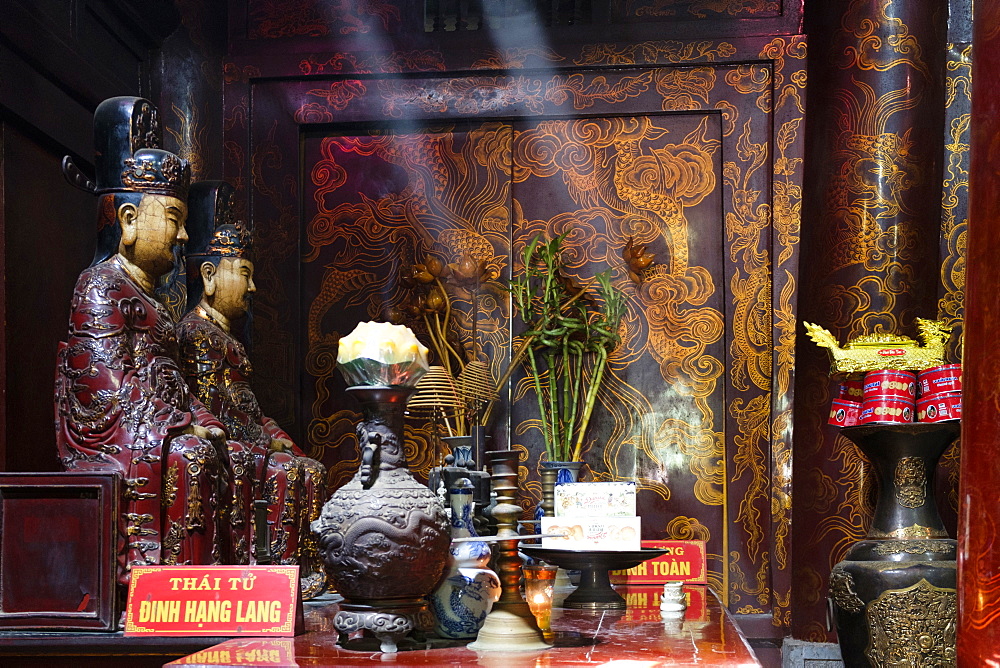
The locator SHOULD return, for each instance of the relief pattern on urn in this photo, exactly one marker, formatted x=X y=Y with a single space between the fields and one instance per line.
x=914 y=626
x=377 y=545
x=911 y=482
x=842 y=590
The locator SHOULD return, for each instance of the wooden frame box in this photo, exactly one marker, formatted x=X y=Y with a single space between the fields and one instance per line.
x=57 y=551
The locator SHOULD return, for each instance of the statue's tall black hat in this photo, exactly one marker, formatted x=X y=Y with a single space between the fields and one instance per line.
x=128 y=157
x=213 y=227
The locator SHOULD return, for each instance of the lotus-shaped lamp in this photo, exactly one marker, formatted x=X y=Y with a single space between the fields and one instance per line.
x=382 y=354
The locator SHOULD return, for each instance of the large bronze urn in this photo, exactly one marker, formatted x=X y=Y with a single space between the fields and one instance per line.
x=894 y=595
x=384 y=537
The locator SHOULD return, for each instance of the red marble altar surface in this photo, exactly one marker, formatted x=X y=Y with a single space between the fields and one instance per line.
x=637 y=637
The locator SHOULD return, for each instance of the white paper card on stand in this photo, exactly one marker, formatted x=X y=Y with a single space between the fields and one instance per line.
x=595 y=499
x=593 y=533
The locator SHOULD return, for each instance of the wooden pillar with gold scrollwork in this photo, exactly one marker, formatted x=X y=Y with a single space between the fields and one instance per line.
x=869 y=257
x=978 y=556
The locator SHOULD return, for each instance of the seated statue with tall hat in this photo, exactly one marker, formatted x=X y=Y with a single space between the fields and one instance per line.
x=218 y=370
x=121 y=402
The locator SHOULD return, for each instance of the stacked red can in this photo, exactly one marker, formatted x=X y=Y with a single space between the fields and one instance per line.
x=940 y=393
x=889 y=397
x=846 y=407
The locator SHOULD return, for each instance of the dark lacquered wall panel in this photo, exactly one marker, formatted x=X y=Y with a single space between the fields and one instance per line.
x=352 y=171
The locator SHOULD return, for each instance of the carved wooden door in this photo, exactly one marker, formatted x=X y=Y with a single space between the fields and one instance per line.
x=690 y=149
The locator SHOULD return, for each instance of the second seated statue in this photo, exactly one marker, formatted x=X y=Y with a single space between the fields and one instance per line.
x=218 y=370
x=121 y=403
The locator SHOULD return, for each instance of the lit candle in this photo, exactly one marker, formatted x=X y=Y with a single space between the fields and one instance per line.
x=538 y=581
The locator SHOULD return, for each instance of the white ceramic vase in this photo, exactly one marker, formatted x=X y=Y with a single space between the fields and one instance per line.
x=469 y=589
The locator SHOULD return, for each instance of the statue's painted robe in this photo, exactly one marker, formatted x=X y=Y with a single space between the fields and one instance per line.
x=218 y=371
x=121 y=404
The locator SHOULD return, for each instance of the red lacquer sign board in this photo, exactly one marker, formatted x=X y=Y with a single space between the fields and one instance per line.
x=212 y=601
x=684 y=562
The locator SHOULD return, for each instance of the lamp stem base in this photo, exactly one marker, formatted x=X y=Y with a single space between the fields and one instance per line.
x=510 y=627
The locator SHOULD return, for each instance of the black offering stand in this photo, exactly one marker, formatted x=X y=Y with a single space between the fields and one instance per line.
x=595 y=591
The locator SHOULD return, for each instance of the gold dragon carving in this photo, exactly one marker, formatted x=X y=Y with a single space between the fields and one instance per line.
x=872 y=352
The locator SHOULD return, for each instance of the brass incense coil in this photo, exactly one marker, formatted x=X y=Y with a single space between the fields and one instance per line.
x=475 y=383
x=436 y=395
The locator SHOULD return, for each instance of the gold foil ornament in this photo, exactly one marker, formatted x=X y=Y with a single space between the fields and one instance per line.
x=872 y=352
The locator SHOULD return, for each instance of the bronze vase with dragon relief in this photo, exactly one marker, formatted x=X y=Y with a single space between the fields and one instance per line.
x=893 y=595
x=384 y=536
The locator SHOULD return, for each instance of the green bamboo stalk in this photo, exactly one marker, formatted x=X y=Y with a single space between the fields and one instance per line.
x=577 y=378
x=567 y=434
x=557 y=425
x=564 y=409
x=540 y=396
x=588 y=409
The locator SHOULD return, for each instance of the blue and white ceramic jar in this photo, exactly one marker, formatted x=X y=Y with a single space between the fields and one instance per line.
x=469 y=590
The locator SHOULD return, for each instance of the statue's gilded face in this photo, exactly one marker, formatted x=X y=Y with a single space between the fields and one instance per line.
x=153 y=229
x=230 y=286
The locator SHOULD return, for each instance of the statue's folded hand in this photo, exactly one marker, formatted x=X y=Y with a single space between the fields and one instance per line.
x=213 y=434
x=281 y=445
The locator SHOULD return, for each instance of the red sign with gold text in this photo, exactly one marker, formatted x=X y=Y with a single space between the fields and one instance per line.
x=212 y=601
x=684 y=561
